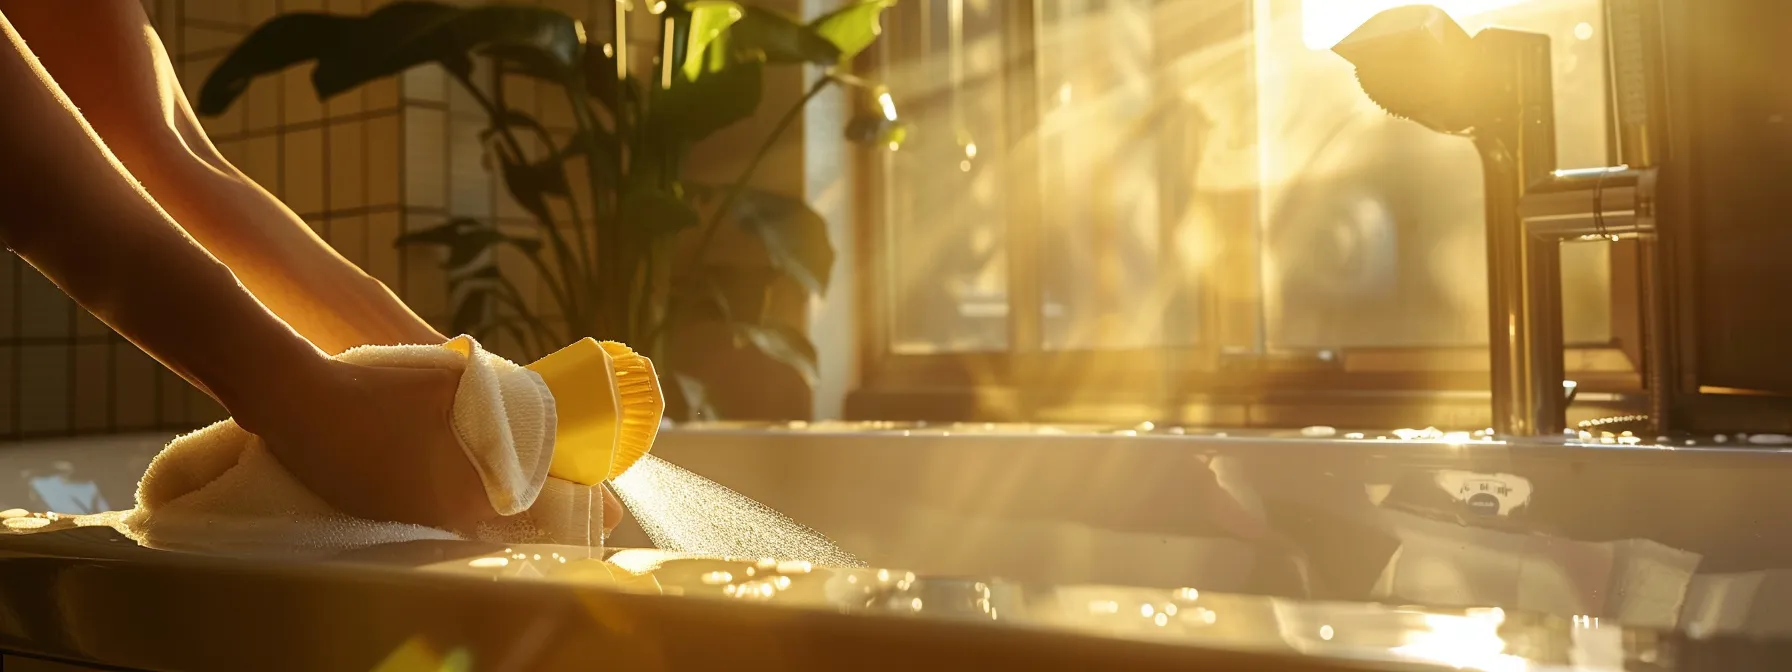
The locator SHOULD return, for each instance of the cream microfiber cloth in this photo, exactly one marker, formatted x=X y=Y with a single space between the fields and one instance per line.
x=220 y=490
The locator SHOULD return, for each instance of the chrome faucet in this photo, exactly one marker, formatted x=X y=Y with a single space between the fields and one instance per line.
x=1494 y=88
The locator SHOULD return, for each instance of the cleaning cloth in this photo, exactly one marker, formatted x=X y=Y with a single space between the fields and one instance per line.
x=220 y=490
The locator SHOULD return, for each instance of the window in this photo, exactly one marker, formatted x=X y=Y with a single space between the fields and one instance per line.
x=1184 y=208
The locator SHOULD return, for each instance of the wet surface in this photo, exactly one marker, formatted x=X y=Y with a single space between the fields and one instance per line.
x=1584 y=552
x=1476 y=638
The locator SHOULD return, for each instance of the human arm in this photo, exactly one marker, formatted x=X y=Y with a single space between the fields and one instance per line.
x=108 y=61
x=374 y=442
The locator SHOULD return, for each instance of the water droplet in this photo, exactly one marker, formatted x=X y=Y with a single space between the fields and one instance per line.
x=489 y=563
x=717 y=578
x=1161 y=620
x=25 y=523
x=1146 y=610
x=1325 y=632
x=14 y=513
x=915 y=604
x=783 y=582
x=1188 y=594
x=1145 y=426
x=795 y=567
x=1583 y=31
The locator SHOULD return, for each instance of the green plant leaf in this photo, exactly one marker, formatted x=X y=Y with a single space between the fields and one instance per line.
x=530 y=183
x=599 y=141
x=783 y=343
x=795 y=236
x=351 y=51
x=466 y=239
x=509 y=119
x=656 y=213
x=408 y=33
x=852 y=28
x=692 y=111
x=471 y=300
x=531 y=61
x=282 y=42
x=781 y=38
x=709 y=24
x=875 y=129
x=700 y=297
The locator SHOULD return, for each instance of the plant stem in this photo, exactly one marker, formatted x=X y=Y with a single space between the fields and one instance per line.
x=610 y=246
x=515 y=298
x=569 y=301
x=734 y=192
x=575 y=98
x=740 y=184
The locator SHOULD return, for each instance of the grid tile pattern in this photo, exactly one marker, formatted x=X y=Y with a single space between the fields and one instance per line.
x=397 y=155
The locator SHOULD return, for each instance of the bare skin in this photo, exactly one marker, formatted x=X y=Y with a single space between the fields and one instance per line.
x=128 y=207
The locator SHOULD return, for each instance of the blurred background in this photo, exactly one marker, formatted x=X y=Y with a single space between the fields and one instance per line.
x=1105 y=211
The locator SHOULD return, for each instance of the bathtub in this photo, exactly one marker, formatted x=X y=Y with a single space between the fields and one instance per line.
x=1660 y=542
x=1692 y=537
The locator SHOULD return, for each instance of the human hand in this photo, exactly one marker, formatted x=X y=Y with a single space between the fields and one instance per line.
x=377 y=443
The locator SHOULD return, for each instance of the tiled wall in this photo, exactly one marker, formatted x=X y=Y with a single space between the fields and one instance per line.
x=398 y=154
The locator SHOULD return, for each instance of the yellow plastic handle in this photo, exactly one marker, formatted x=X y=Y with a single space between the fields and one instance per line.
x=582 y=378
x=607 y=404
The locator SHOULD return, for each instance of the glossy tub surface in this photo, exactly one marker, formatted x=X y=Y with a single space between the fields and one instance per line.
x=1562 y=539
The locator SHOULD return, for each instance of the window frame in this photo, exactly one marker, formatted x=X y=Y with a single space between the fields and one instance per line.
x=1206 y=384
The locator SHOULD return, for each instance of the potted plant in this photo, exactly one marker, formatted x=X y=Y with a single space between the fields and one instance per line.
x=638 y=267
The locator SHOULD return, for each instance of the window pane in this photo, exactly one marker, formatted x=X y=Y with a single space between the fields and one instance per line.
x=1373 y=228
x=946 y=233
x=1099 y=158
x=1142 y=104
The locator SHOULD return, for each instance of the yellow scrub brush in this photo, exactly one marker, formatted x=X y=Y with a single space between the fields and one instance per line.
x=607 y=404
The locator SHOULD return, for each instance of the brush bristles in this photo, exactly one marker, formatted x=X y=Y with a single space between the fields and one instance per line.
x=638 y=388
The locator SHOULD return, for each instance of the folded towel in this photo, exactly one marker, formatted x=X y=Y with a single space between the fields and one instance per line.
x=220 y=490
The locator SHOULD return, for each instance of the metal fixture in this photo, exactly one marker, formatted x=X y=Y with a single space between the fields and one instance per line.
x=1494 y=88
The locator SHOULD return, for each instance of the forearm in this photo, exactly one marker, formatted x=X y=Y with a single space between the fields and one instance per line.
x=297 y=275
x=75 y=214
x=104 y=56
